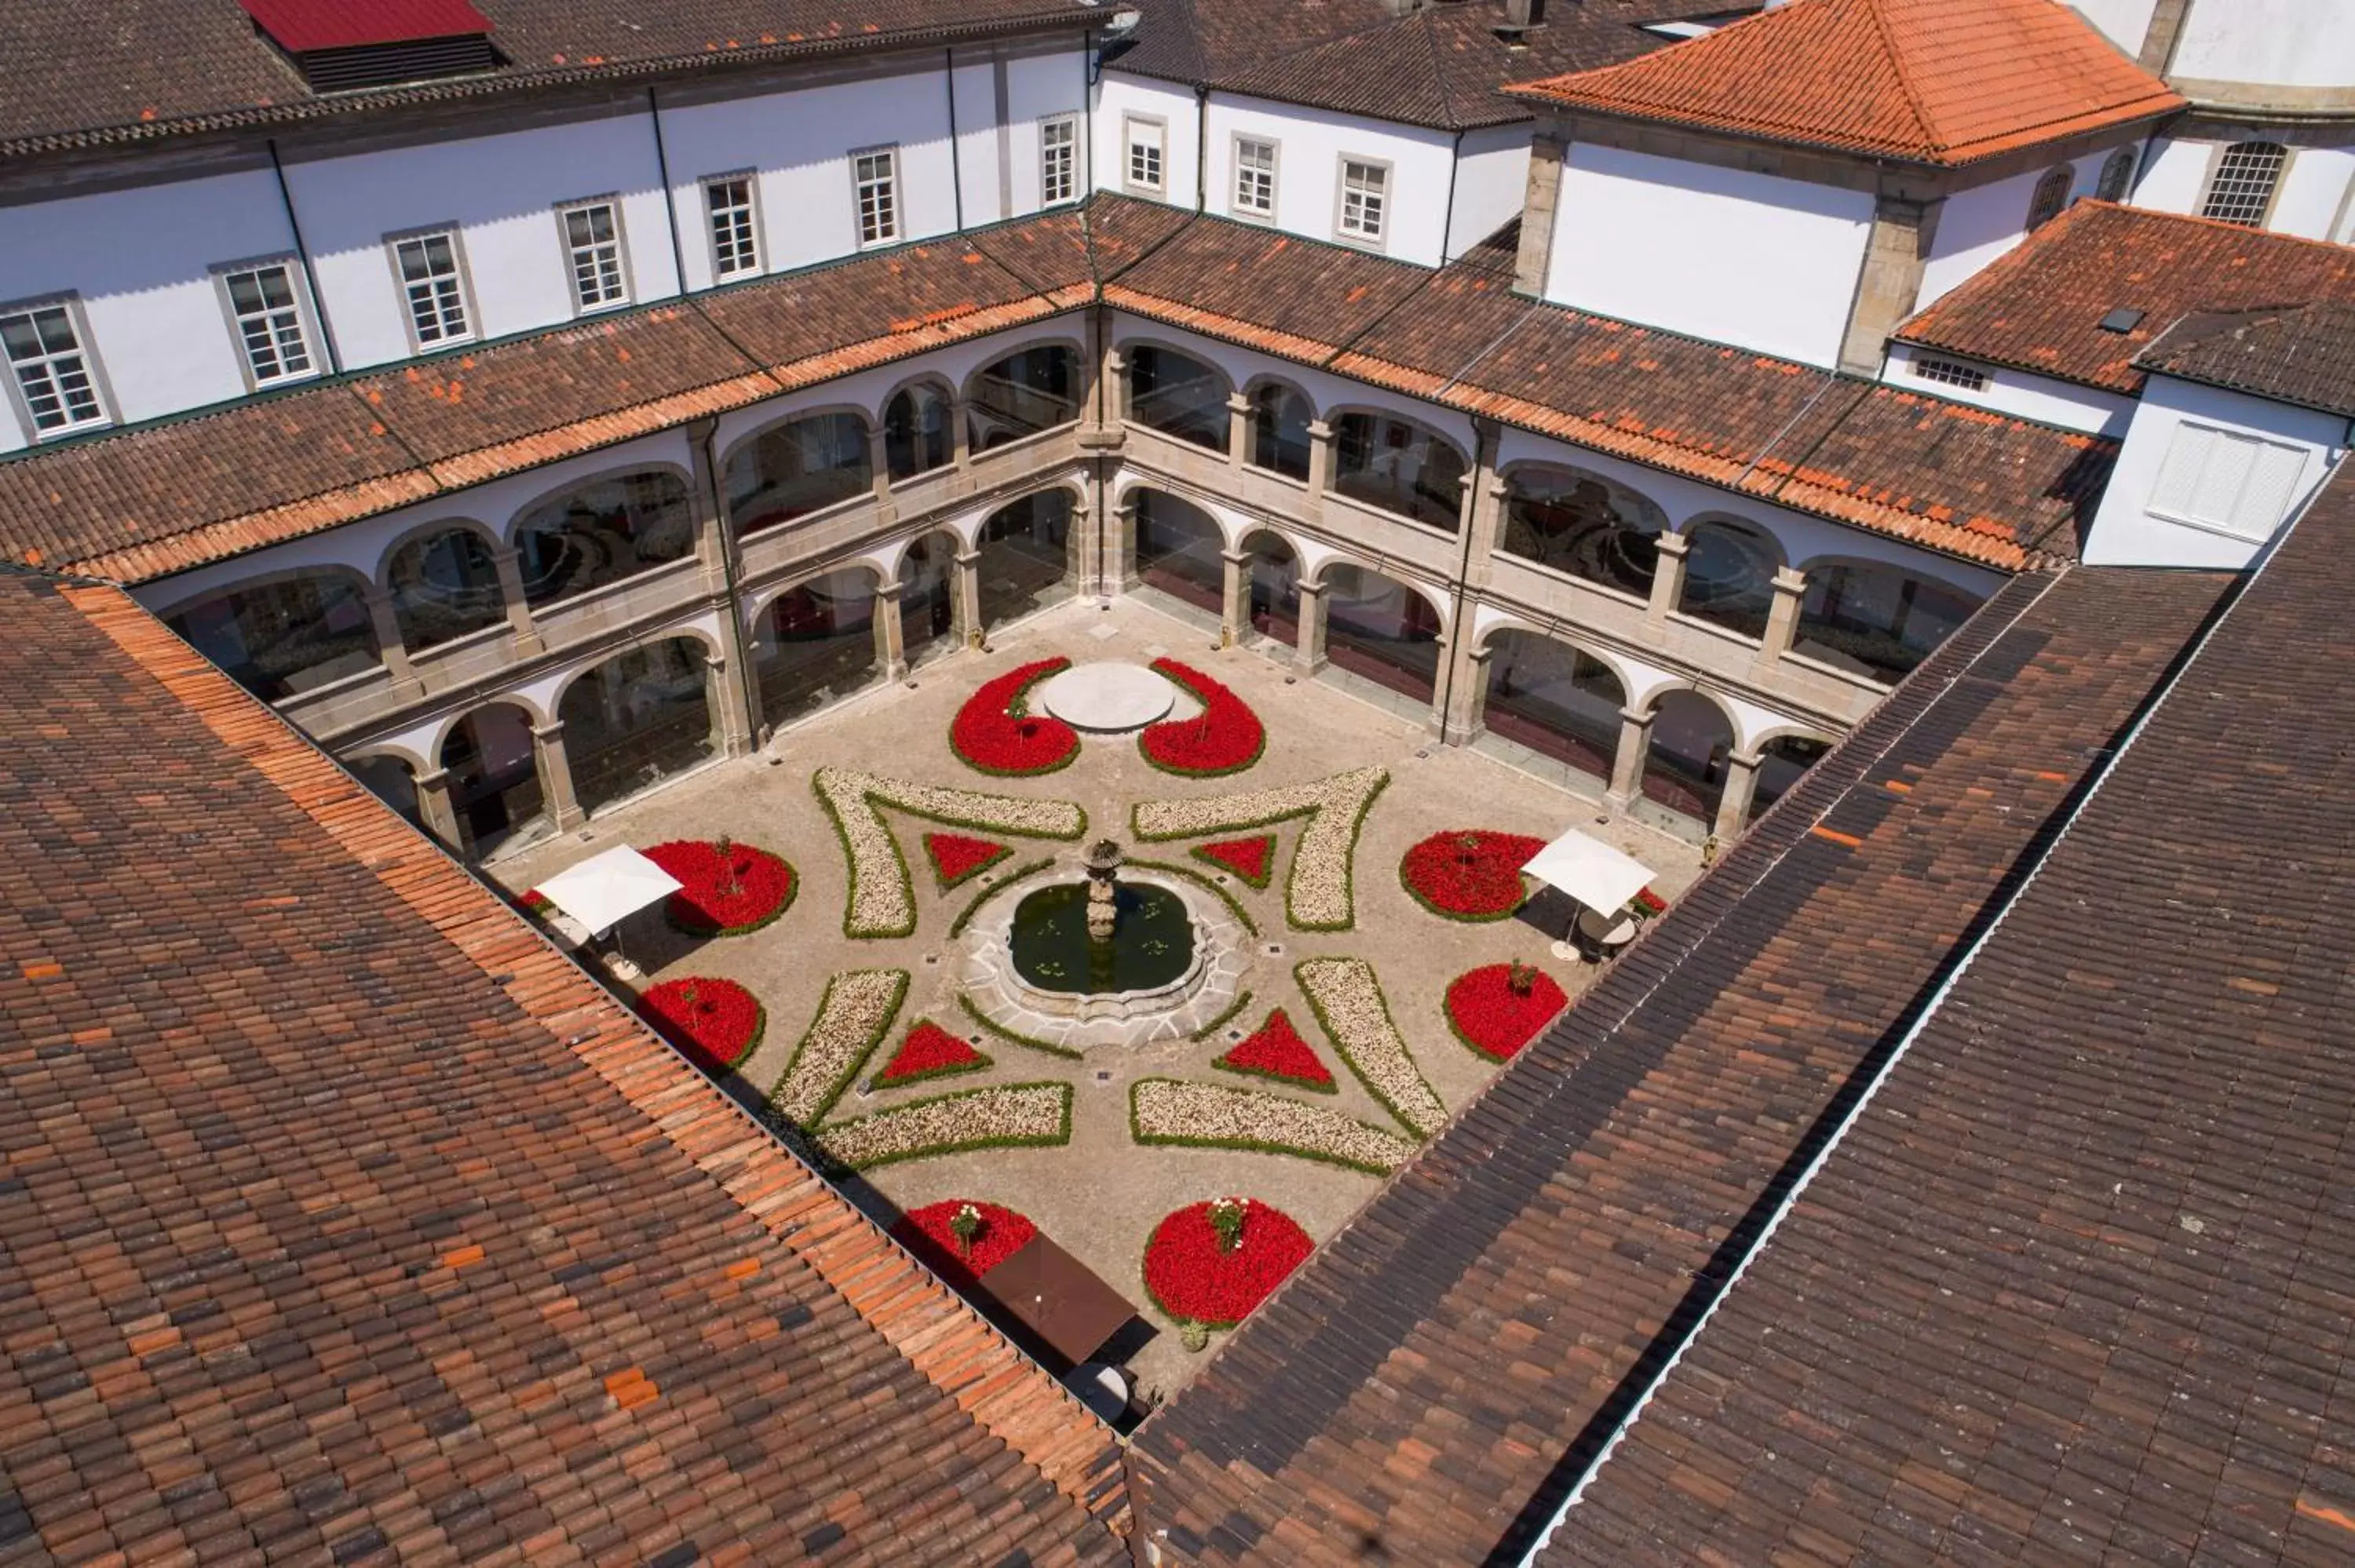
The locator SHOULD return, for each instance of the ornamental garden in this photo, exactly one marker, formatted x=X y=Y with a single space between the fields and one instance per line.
x=1177 y=997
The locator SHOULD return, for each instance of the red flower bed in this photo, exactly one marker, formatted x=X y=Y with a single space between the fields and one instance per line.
x=1277 y=1051
x=1468 y=873
x=1648 y=903
x=929 y=1051
x=1488 y=1016
x=925 y=1231
x=724 y=893
x=986 y=735
x=716 y=1021
x=956 y=858
x=1189 y=1278
x=1253 y=859
x=1226 y=736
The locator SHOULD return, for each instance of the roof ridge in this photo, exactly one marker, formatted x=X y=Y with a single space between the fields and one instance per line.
x=1930 y=135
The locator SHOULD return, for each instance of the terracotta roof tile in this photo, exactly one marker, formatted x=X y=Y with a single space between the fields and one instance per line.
x=1932 y=81
x=2303 y=354
x=331 y=1187
x=2041 y=306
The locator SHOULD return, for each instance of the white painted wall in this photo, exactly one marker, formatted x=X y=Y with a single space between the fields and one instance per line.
x=1492 y=179
x=1310 y=146
x=1979 y=223
x=1038 y=85
x=2127 y=532
x=2314 y=195
x=1726 y=254
x=2125 y=22
x=141 y=262
x=2267 y=43
x=2019 y=393
x=1118 y=96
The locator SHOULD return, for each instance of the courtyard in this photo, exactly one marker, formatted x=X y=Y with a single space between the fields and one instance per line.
x=1314 y=1049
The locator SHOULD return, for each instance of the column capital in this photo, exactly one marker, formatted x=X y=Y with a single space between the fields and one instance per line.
x=1748 y=760
x=1236 y=557
x=1790 y=581
x=1669 y=542
x=1640 y=720
x=1311 y=590
x=548 y=732
x=1318 y=430
x=434 y=778
x=890 y=592
x=502 y=553
x=968 y=557
x=1238 y=404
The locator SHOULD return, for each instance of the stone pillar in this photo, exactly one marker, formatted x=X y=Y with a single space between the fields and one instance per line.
x=968 y=628
x=509 y=564
x=389 y=646
x=890 y=636
x=1115 y=387
x=1891 y=284
x=555 y=777
x=1485 y=523
x=1239 y=428
x=435 y=810
x=1782 y=616
x=724 y=687
x=1548 y=150
x=2156 y=55
x=961 y=431
x=1308 y=656
x=1320 y=459
x=879 y=458
x=1733 y=805
x=1668 y=579
x=1627 y=762
x=1234 y=596
x=1118 y=569
x=1467 y=692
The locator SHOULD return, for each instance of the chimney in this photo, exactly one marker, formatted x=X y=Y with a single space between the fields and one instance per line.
x=1520 y=14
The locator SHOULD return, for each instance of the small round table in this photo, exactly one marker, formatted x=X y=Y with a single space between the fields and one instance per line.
x=1605 y=934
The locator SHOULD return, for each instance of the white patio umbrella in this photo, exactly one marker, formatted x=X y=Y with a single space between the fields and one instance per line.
x=602 y=890
x=1589 y=871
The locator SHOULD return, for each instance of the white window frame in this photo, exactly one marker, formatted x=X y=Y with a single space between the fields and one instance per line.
x=1067 y=124
x=1274 y=173
x=613 y=271
x=461 y=286
x=1943 y=370
x=751 y=180
x=1379 y=238
x=2213 y=439
x=893 y=201
x=306 y=321
x=19 y=398
x=2273 y=196
x=1144 y=130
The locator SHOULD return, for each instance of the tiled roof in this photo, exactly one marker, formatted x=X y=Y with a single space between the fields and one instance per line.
x=343 y=1218
x=1411 y=1393
x=2041 y=306
x=2076 y=1284
x=2303 y=354
x=1930 y=81
x=120 y=70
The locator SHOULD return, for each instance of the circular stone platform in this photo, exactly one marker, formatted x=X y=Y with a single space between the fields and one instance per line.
x=1107 y=698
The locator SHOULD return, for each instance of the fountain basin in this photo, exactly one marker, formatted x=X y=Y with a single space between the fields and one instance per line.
x=1152 y=944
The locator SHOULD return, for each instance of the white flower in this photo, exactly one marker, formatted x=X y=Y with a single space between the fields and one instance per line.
x=1009 y=1113
x=1318 y=895
x=1347 y=1000
x=1212 y=1116
x=856 y=1010
x=882 y=902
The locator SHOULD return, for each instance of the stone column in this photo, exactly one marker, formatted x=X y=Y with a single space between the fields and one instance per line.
x=1733 y=805
x=1896 y=251
x=1115 y=387
x=1627 y=762
x=961 y=431
x=1548 y=148
x=1782 y=616
x=1485 y=521
x=555 y=777
x=1308 y=656
x=724 y=687
x=436 y=812
x=890 y=636
x=509 y=564
x=1234 y=596
x=879 y=458
x=712 y=535
x=968 y=628
x=1467 y=694
x=1668 y=579
x=1320 y=459
x=1239 y=428
x=1118 y=569
x=389 y=646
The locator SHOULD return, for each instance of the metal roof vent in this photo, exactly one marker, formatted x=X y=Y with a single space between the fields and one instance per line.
x=2126 y=318
x=343 y=45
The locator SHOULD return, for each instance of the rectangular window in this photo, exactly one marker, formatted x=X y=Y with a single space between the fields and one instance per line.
x=1142 y=164
x=1365 y=200
x=1058 y=159
x=261 y=302
x=2236 y=483
x=1949 y=372
x=428 y=265
x=876 y=176
x=52 y=371
x=593 y=242
x=1254 y=179
x=735 y=243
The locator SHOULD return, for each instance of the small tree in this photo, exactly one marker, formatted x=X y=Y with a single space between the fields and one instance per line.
x=966 y=1225
x=1521 y=979
x=727 y=879
x=1227 y=1223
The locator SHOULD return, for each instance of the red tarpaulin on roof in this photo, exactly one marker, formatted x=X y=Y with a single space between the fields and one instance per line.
x=300 y=26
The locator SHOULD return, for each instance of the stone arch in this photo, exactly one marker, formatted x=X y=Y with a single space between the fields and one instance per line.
x=1406 y=466
x=1025 y=391
x=440 y=594
x=1688 y=754
x=281 y=633
x=925 y=569
x=1729 y=573
x=583 y=481
x=701 y=635
x=817 y=640
x=1785 y=753
x=920 y=437
x=1581 y=523
x=391 y=775
x=602 y=529
x=1555 y=696
x=799 y=463
x=1176 y=546
x=490 y=760
x=1282 y=411
x=1876 y=618
x=1178 y=392
x=1272 y=583
x=639 y=715
x=1027 y=554
x=1389 y=630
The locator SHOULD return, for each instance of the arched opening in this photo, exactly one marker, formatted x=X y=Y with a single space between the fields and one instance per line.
x=1555 y=699
x=494 y=779
x=1274 y=590
x=601 y=533
x=1398 y=466
x=291 y=634
x=443 y=586
x=1729 y=575
x=1379 y=628
x=390 y=780
x=2118 y=175
x=918 y=432
x=1177 y=395
x=1178 y=550
x=1026 y=556
x=1023 y=393
x=1684 y=769
x=2051 y=195
x=1584 y=525
x=927 y=595
x=1781 y=763
x=792 y=470
x=814 y=643
x=636 y=719
x=1876 y=620
x=1280 y=419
